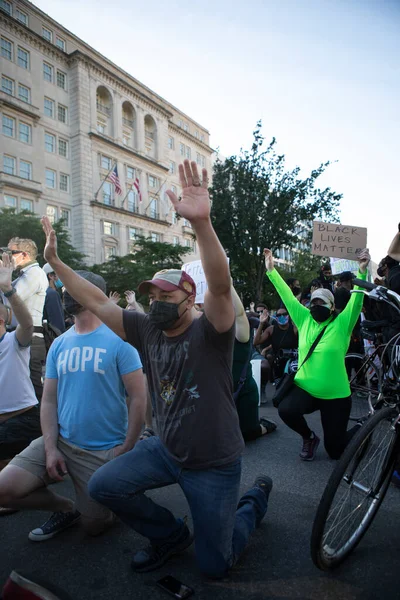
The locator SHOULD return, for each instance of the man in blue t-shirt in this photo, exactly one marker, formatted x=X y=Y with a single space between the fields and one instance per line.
x=85 y=422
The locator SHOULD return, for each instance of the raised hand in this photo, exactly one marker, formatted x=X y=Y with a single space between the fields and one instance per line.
x=114 y=297
x=264 y=317
x=363 y=259
x=130 y=297
x=269 y=259
x=194 y=204
x=50 y=250
x=6 y=269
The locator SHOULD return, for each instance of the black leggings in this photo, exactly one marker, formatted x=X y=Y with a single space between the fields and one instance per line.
x=334 y=418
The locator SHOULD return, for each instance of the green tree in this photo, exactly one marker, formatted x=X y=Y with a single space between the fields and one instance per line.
x=126 y=272
x=256 y=203
x=27 y=225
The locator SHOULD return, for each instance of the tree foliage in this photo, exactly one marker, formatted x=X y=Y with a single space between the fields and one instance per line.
x=257 y=203
x=126 y=272
x=27 y=225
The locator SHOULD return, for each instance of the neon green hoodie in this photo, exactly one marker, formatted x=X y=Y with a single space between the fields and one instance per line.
x=324 y=374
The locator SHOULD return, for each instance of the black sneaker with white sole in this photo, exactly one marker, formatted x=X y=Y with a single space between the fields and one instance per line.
x=154 y=556
x=54 y=525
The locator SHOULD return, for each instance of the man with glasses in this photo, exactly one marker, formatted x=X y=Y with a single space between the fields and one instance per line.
x=31 y=285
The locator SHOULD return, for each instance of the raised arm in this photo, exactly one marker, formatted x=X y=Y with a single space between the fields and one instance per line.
x=296 y=310
x=24 y=330
x=262 y=334
x=81 y=290
x=195 y=206
x=352 y=311
x=241 y=321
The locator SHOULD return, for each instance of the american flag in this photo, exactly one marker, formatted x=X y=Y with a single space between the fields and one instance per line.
x=136 y=185
x=113 y=177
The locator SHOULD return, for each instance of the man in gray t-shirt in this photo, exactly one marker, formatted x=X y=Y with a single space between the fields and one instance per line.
x=187 y=358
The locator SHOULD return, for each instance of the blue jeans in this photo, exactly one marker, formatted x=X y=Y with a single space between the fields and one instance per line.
x=221 y=528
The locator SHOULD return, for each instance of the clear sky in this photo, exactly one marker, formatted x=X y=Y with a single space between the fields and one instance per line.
x=323 y=75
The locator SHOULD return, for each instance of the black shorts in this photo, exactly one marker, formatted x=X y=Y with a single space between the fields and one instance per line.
x=18 y=432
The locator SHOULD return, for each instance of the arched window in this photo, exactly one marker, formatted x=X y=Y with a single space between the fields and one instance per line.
x=150 y=131
x=104 y=107
x=128 y=124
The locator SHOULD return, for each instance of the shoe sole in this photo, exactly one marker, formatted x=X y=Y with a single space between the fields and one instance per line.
x=314 y=453
x=177 y=550
x=35 y=537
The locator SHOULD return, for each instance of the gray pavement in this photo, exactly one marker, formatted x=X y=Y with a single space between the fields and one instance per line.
x=276 y=565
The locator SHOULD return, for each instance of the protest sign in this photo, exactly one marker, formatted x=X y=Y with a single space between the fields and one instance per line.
x=338 y=241
x=342 y=264
x=195 y=270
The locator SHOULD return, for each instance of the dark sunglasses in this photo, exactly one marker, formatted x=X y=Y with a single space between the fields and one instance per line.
x=282 y=314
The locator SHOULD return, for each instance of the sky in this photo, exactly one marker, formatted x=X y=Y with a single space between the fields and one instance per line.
x=322 y=75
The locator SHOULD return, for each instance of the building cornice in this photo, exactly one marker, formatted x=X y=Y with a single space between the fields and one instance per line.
x=19 y=105
x=18 y=183
x=24 y=33
x=123 y=211
x=129 y=151
x=190 y=137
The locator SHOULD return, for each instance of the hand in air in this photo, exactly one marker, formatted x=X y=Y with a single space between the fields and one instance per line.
x=6 y=269
x=114 y=297
x=264 y=317
x=194 y=204
x=130 y=297
x=363 y=259
x=269 y=259
x=50 y=250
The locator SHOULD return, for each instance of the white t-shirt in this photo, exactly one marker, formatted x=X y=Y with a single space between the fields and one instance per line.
x=16 y=389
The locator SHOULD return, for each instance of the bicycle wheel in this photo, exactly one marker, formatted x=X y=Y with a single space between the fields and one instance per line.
x=355 y=490
x=365 y=385
x=395 y=357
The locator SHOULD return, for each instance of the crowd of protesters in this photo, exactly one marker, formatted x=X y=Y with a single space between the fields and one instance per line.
x=133 y=401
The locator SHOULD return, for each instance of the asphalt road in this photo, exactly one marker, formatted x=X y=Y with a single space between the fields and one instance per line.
x=276 y=565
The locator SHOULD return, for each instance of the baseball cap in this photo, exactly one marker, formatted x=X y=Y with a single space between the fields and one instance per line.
x=346 y=276
x=323 y=294
x=170 y=280
x=48 y=269
x=97 y=280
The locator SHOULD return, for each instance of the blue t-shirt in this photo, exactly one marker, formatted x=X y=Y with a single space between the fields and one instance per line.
x=92 y=411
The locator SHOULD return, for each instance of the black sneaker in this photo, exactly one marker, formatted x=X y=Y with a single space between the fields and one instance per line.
x=57 y=523
x=309 y=448
x=154 y=556
x=269 y=425
x=264 y=483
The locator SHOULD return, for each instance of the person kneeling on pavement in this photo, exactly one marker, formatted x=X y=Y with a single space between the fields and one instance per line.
x=84 y=419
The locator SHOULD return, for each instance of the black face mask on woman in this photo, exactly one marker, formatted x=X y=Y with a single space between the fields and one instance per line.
x=320 y=313
x=164 y=315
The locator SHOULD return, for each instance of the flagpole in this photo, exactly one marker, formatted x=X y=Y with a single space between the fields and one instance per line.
x=155 y=195
x=127 y=194
x=103 y=182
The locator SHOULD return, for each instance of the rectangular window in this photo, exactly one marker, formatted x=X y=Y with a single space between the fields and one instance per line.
x=47 y=34
x=60 y=43
x=51 y=179
x=62 y=113
x=109 y=251
x=21 y=16
x=108 y=190
x=25 y=169
x=10 y=201
x=171 y=144
x=23 y=58
x=202 y=137
x=182 y=149
x=200 y=160
x=25 y=133
x=6 y=49
x=188 y=244
x=7 y=85
x=6 y=6
x=49 y=142
x=133 y=233
x=188 y=152
x=48 y=72
x=49 y=107
x=185 y=127
x=109 y=228
x=63 y=147
x=24 y=93
x=61 y=80
x=153 y=209
x=132 y=201
x=101 y=127
x=172 y=167
x=130 y=173
x=66 y=217
x=174 y=218
x=106 y=162
x=9 y=165
x=51 y=212
x=64 y=182
x=8 y=126
x=176 y=240
x=155 y=237
x=26 y=205
x=152 y=181
x=196 y=134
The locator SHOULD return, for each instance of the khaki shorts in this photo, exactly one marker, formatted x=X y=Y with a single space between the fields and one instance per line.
x=81 y=465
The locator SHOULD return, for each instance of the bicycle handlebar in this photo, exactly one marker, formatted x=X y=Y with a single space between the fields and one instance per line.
x=364 y=284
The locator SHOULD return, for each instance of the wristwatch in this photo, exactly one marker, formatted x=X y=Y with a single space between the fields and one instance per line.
x=10 y=293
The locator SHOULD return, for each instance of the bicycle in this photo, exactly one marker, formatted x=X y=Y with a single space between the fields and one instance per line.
x=359 y=482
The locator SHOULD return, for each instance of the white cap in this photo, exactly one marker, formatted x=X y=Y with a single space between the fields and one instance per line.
x=48 y=269
x=323 y=294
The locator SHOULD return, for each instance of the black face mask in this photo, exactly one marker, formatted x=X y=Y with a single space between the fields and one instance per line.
x=71 y=306
x=320 y=313
x=381 y=271
x=164 y=315
x=296 y=290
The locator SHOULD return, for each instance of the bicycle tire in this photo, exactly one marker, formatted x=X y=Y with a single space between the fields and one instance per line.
x=325 y=557
x=365 y=386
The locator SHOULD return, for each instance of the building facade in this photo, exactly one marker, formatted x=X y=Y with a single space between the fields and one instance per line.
x=68 y=116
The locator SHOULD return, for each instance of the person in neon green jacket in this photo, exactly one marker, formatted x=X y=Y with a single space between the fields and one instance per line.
x=322 y=383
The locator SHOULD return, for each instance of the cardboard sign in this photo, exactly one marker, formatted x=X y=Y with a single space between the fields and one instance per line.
x=338 y=241
x=195 y=270
x=342 y=264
